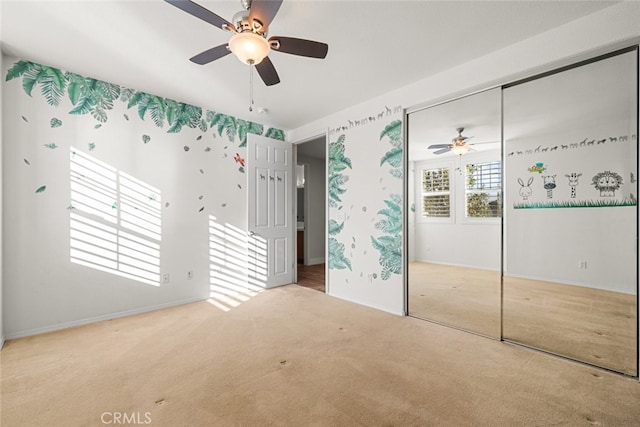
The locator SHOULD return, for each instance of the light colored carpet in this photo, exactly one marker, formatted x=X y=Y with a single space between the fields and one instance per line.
x=592 y=325
x=292 y=356
x=467 y=298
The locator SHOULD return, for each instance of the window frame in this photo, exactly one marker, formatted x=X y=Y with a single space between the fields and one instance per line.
x=479 y=160
x=422 y=166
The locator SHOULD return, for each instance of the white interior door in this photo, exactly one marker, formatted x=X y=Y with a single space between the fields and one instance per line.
x=270 y=188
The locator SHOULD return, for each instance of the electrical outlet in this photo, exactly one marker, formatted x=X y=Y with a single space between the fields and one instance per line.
x=189 y=275
x=583 y=265
x=165 y=278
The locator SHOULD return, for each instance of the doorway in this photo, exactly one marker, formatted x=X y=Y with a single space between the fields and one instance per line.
x=311 y=213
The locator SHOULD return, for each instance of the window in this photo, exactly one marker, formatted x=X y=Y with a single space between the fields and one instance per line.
x=436 y=193
x=483 y=192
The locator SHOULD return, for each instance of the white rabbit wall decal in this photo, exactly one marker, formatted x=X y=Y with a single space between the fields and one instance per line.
x=525 y=190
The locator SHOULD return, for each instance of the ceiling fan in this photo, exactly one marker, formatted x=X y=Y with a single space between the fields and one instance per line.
x=458 y=145
x=249 y=37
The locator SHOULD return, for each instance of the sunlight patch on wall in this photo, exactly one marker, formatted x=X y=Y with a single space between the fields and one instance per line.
x=232 y=270
x=115 y=220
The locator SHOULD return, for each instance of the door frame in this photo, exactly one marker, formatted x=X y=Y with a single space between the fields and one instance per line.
x=324 y=136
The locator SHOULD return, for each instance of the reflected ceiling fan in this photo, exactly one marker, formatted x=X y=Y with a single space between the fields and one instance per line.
x=458 y=145
x=249 y=37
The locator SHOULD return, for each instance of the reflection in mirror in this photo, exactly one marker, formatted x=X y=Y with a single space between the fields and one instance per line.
x=570 y=260
x=454 y=195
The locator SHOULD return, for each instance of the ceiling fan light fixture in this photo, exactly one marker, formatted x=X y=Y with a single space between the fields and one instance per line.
x=459 y=149
x=249 y=48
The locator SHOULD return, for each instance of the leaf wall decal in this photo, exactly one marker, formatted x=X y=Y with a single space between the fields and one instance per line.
x=337 y=258
x=275 y=134
x=41 y=189
x=18 y=69
x=394 y=156
x=335 y=227
x=390 y=244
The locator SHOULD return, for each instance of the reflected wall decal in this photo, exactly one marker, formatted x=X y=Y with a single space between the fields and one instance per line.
x=573 y=178
x=607 y=188
x=549 y=183
x=607 y=183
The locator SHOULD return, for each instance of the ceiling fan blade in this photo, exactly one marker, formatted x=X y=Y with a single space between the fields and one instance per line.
x=200 y=12
x=444 y=150
x=268 y=72
x=432 y=146
x=264 y=11
x=211 y=54
x=300 y=47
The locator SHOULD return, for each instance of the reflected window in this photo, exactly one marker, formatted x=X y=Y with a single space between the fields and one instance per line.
x=436 y=193
x=115 y=220
x=483 y=192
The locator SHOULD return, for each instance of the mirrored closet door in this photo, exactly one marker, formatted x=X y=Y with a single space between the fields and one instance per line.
x=570 y=226
x=454 y=224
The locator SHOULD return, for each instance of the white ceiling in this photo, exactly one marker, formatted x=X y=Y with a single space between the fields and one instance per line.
x=570 y=106
x=374 y=47
x=478 y=114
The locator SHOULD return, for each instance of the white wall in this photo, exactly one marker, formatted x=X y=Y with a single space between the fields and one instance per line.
x=196 y=170
x=590 y=125
x=457 y=240
x=613 y=27
x=365 y=208
x=315 y=219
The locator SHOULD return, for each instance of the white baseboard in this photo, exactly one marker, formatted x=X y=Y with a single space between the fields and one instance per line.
x=315 y=261
x=1 y=342
x=365 y=304
x=80 y=322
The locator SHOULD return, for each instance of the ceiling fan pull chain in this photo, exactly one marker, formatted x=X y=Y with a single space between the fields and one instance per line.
x=250 y=87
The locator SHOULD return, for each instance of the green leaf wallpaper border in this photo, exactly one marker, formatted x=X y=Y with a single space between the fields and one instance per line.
x=96 y=97
x=390 y=243
x=393 y=157
x=338 y=163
